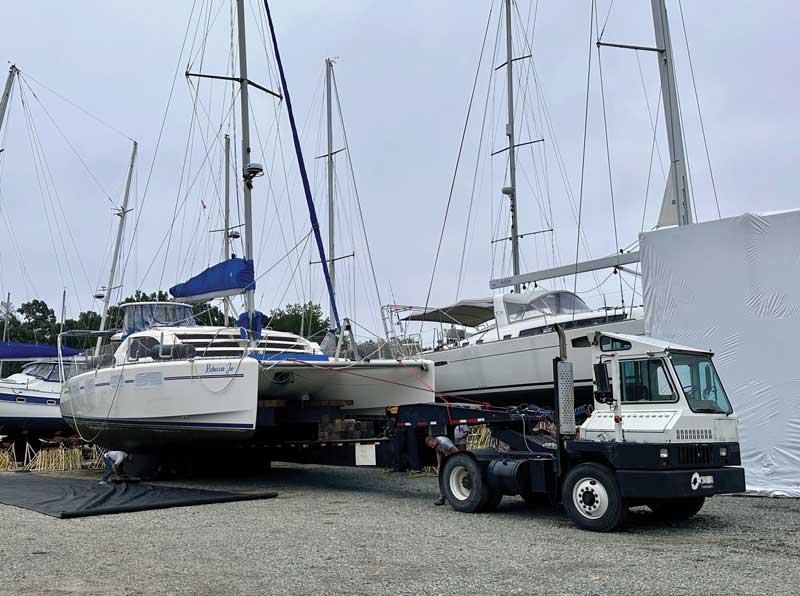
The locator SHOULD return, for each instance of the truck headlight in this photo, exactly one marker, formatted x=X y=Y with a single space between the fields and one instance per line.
x=664 y=454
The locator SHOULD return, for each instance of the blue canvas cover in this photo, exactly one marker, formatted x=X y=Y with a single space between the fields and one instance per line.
x=10 y=350
x=231 y=277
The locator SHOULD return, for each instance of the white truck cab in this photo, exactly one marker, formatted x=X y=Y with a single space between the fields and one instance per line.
x=652 y=391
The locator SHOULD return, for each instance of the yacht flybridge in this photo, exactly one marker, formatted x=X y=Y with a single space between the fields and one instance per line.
x=165 y=380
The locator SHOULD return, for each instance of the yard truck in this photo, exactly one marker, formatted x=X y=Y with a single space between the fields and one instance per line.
x=662 y=434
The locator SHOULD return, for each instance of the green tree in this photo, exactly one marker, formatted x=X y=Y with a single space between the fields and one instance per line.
x=300 y=318
x=38 y=323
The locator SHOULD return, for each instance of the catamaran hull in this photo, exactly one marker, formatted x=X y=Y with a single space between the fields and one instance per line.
x=370 y=386
x=29 y=410
x=518 y=370
x=150 y=406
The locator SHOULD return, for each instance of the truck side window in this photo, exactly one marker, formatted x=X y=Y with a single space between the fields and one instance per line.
x=645 y=380
x=610 y=344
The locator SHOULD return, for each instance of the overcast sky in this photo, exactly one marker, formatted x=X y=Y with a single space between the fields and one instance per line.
x=404 y=72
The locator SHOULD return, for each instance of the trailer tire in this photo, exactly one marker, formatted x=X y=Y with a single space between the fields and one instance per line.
x=592 y=498
x=677 y=509
x=463 y=484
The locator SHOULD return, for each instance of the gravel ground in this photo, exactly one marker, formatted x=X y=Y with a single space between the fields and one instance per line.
x=359 y=531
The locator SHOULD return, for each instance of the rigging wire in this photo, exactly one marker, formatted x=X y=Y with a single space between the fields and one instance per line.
x=455 y=170
x=355 y=189
x=583 y=154
x=160 y=134
x=608 y=159
x=74 y=105
x=699 y=111
x=562 y=169
x=69 y=144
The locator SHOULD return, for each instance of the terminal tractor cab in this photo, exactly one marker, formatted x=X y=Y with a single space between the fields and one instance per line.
x=662 y=434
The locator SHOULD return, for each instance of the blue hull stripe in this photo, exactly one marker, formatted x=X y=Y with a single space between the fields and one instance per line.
x=164 y=423
x=31 y=400
x=181 y=378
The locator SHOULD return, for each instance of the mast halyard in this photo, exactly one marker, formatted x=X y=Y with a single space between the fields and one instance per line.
x=511 y=189
x=677 y=183
x=331 y=212
x=247 y=175
x=122 y=213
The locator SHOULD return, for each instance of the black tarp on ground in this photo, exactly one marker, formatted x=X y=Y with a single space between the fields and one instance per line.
x=74 y=497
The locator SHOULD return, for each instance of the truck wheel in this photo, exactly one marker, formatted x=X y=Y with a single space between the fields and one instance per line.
x=592 y=498
x=677 y=509
x=463 y=484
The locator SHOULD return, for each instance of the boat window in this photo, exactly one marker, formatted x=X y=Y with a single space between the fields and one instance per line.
x=612 y=344
x=40 y=370
x=645 y=381
x=571 y=303
x=139 y=347
x=55 y=374
x=139 y=317
x=555 y=303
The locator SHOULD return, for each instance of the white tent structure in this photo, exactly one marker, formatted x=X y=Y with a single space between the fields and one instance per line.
x=733 y=286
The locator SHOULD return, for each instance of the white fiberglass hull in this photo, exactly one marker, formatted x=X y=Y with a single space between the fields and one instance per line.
x=519 y=370
x=370 y=386
x=30 y=407
x=150 y=405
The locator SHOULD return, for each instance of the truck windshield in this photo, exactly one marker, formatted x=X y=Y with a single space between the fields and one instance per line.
x=701 y=384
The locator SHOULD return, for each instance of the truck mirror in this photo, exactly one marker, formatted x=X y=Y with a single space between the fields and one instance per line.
x=708 y=378
x=603 y=394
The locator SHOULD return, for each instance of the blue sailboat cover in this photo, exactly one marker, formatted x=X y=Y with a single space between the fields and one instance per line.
x=11 y=350
x=234 y=276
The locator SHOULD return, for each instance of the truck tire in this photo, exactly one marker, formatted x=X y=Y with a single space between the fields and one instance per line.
x=463 y=484
x=592 y=498
x=677 y=509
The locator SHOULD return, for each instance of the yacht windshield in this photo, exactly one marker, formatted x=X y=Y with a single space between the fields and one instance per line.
x=701 y=384
x=555 y=303
x=139 y=317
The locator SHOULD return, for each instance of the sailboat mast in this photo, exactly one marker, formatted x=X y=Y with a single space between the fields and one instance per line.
x=677 y=184
x=117 y=246
x=12 y=71
x=225 y=233
x=511 y=189
x=248 y=187
x=331 y=215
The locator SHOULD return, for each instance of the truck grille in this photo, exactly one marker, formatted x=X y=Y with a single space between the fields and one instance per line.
x=694 y=455
x=694 y=434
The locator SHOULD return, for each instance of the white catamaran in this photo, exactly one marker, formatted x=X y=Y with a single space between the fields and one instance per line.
x=165 y=380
